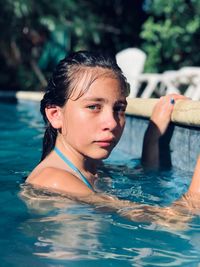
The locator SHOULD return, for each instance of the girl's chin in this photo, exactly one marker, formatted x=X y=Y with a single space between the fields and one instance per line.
x=101 y=156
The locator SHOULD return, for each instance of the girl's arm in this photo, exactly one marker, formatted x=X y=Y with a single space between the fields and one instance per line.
x=175 y=216
x=158 y=125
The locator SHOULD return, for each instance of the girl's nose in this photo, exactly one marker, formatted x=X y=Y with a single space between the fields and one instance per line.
x=110 y=121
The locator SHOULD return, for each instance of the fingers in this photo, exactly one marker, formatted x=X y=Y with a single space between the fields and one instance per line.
x=161 y=115
x=169 y=97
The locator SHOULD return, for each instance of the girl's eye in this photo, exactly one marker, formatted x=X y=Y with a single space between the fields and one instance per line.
x=94 y=107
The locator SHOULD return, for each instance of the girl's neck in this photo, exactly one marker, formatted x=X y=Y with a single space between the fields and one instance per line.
x=86 y=165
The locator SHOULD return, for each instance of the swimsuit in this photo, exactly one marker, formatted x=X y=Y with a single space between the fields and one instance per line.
x=73 y=167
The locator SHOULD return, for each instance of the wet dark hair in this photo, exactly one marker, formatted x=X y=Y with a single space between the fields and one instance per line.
x=65 y=79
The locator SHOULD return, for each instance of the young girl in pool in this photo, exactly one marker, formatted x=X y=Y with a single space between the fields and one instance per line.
x=84 y=111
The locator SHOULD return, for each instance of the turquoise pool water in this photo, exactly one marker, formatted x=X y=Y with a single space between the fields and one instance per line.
x=66 y=233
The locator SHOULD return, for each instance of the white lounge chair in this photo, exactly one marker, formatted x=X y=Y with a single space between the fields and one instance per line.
x=131 y=61
x=173 y=81
x=188 y=77
x=192 y=78
x=152 y=81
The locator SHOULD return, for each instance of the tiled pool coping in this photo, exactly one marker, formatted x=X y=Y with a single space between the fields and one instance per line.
x=184 y=143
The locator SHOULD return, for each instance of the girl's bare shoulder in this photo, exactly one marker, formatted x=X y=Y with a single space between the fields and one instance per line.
x=58 y=180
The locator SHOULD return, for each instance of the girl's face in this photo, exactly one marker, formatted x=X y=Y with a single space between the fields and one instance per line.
x=94 y=122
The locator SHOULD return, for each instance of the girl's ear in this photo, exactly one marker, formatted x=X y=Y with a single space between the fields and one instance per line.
x=54 y=116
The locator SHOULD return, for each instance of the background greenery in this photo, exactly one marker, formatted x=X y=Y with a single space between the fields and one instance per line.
x=36 y=34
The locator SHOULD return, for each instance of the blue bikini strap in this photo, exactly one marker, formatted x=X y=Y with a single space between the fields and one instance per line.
x=72 y=166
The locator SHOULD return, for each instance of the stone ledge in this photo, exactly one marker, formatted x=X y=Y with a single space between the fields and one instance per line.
x=186 y=112
x=35 y=96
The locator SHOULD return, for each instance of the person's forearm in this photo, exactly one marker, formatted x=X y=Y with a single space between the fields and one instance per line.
x=150 y=150
x=155 y=141
x=175 y=216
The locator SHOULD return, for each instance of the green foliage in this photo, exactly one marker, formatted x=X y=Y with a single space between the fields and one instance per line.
x=28 y=27
x=171 y=34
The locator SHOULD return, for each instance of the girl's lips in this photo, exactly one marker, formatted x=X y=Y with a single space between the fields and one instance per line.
x=105 y=143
